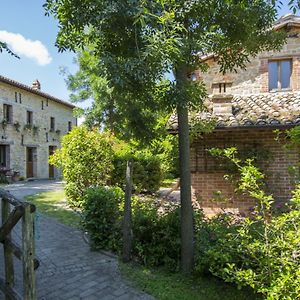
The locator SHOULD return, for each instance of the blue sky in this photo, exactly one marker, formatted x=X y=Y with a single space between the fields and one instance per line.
x=25 y=25
x=27 y=19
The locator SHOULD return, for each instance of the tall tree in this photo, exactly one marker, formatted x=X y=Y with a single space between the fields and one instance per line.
x=106 y=108
x=137 y=41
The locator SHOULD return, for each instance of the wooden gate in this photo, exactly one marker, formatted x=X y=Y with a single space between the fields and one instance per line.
x=14 y=210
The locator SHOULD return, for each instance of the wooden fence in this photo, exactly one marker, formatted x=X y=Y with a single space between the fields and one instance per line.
x=13 y=211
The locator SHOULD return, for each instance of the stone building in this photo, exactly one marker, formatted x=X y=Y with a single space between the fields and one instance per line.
x=31 y=126
x=247 y=107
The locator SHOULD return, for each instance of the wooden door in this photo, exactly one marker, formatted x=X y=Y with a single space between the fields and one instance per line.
x=51 y=167
x=29 y=162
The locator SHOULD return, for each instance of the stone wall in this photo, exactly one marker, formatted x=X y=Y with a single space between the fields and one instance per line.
x=209 y=185
x=18 y=140
x=254 y=79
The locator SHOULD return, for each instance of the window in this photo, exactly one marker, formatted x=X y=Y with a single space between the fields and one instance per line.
x=280 y=74
x=221 y=88
x=42 y=104
x=52 y=124
x=47 y=102
x=69 y=126
x=20 y=98
x=7 y=113
x=3 y=152
x=29 y=117
x=16 y=97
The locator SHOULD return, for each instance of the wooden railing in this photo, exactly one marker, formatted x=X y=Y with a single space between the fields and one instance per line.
x=13 y=211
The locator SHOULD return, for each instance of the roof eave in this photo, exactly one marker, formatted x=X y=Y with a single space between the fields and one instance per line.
x=33 y=91
x=245 y=127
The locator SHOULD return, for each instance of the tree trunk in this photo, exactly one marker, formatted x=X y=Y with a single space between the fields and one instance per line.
x=127 y=231
x=187 y=228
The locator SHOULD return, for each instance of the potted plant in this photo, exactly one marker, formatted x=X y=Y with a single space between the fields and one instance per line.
x=17 y=126
x=27 y=127
x=35 y=129
x=4 y=123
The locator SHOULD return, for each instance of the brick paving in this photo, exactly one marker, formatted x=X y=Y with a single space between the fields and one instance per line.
x=68 y=269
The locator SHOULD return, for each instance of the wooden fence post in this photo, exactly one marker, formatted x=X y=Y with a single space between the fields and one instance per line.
x=127 y=231
x=28 y=254
x=8 y=253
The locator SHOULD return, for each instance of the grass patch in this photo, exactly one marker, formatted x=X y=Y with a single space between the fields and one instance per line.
x=168 y=286
x=167 y=183
x=54 y=205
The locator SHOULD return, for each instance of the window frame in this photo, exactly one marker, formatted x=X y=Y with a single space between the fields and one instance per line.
x=52 y=124
x=8 y=113
x=29 y=117
x=279 y=73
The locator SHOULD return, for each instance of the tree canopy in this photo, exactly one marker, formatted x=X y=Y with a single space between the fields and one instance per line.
x=136 y=42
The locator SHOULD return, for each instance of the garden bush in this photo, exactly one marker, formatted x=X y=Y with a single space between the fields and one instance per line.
x=86 y=160
x=261 y=250
x=102 y=217
x=251 y=253
x=147 y=172
x=156 y=240
x=156 y=235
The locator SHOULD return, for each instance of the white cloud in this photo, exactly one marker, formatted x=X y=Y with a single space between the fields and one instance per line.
x=26 y=47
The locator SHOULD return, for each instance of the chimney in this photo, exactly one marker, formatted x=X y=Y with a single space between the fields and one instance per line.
x=36 y=85
x=222 y=105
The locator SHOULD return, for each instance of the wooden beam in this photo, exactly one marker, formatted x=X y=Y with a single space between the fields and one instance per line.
x=10 y=293
x=8 y=254
x=10 y=221
x=28 y=254
x=17 y=251
x=14 y=201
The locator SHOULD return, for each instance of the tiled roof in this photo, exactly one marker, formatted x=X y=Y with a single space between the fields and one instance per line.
x=287 y=20
x=266 y=109
x=34 y=91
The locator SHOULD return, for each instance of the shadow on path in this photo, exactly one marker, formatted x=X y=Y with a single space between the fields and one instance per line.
x=68 y=269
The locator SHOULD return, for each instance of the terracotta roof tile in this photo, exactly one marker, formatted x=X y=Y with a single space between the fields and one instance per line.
x=267 y=109
x=34 y=91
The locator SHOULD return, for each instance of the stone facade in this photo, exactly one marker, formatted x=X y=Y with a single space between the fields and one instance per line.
x=254 y=79
x=247 y=111
x=26 y=136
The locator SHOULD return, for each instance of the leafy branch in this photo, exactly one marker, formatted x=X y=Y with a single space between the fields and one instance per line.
x=4 y=47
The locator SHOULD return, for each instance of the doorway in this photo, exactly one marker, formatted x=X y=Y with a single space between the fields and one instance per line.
x=31 y=162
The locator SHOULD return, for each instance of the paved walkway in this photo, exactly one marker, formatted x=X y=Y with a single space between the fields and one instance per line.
x=69 y=270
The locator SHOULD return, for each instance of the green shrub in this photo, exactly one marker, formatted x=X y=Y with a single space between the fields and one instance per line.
x=85 y=159
x=251 y=253
x=156 y=236
x=156 y=239
x=260 y=251
x=102 y=217
x=209 y=233
x=147 y=172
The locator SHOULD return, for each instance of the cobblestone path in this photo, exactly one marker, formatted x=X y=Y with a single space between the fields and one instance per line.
x=68 y=269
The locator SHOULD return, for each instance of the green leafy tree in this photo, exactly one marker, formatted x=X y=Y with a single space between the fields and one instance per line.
x=106 y=109
x=86 y=161
x=4 y=47
x=138 y=41
x=89 y=84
